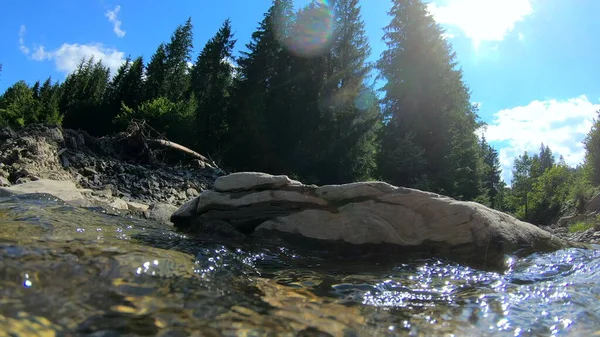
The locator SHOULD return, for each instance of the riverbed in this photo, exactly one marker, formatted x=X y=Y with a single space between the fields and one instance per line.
x=67 y=271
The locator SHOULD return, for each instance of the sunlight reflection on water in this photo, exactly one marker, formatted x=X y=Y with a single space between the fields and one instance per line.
x=141 y=278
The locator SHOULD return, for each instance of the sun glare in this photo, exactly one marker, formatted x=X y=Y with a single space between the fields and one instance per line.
x=481 y=20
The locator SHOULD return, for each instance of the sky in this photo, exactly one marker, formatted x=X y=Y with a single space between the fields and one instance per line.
x=531 y=65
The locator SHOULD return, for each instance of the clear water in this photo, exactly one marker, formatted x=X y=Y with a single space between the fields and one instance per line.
x=75 y=272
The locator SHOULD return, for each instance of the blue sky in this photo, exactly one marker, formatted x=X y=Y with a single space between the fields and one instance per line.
x=530 y=64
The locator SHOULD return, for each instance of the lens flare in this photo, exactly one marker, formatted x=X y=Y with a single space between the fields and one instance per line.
x=311 y=30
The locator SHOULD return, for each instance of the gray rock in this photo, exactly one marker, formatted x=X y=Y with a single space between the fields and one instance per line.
x=4 y=182
x=221 y=229
x=191 y=192
x=88 y=171
x=366 y=213
x=64 y=161
x=161 y=212
x=64 y=190
x=594 y=204
x=252 y=180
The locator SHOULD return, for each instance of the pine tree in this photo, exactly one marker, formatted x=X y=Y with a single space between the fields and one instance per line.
x=491 y=173
x=351 y=116
x=592 y=152
x=82 y=96
x=260 y=70
x=178 y=56
x=113 y=97
x=133 y=83
x=125 y=89
x=521 y=185
x=156 y=74
x=296 y=115
x=49 y=96
x=426 y=99
x=211 y=79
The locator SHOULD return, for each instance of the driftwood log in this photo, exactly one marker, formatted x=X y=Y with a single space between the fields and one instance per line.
x=139 y=136
x=178 y=147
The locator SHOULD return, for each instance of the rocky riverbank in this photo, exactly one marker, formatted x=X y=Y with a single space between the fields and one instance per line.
x=119 y=175
x=110 y=172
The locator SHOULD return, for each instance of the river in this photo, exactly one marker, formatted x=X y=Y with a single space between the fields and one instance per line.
x=67 y=271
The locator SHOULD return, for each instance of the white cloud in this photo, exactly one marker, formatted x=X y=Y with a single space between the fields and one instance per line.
x=562 y=125
x=68 y=56
x=481 y=20
x=112 y=18
x=24 y=49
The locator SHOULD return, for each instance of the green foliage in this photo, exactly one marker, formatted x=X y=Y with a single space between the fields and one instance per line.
x=18 y=105
x=581 y=191
x=492 y=184
x=542 y=189
x=211 y=78
x=21 y=104
x=82 y=98
x=125 y=88
x=549 y=192
x=592 y=158
x=164 y=115
x=581 y=227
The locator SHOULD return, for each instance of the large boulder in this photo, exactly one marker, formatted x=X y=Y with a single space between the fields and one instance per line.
x=374 y=214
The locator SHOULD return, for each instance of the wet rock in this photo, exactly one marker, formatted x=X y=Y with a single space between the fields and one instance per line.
x=191 y=192
x=136 y=206
x=161 y=212
x=221 y=229
x=64 y=190
x=4 y=182
x=119 y=204
x=366 y=213
x=105 y=193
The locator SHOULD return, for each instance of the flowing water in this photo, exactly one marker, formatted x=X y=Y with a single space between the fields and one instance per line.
x=68 y=271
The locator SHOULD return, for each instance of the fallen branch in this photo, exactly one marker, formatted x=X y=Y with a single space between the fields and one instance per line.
x=183 y=149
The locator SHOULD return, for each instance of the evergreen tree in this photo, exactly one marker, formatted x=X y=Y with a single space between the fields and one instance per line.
x=521 y=185
x=592 y=153
x=296 y=117
x=156 y=74
x=211 y=79
x=125 y=89
x=426 y=99
x=541 y=161
x=49 y=97
x=113 y=95
x=18 y=105
x=178 y=56
x=250 y=147
x=351 y=115
x=82 y=96
x=491 y=173
x=547 y=160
